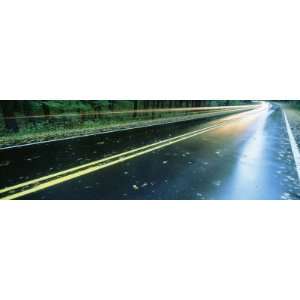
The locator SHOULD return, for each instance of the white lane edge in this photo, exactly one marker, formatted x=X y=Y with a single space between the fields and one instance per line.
x=295 y=149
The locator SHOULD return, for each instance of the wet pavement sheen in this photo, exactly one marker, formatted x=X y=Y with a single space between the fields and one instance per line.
x=249 y=158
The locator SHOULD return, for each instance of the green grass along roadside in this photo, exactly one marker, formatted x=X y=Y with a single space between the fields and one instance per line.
x=41 y=132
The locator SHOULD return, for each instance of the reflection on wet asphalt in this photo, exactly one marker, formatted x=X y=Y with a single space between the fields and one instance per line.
x=249 y=158
x=30 y=162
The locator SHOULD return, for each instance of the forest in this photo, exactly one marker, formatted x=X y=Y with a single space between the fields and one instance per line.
x=41 y=110
x=26 y=120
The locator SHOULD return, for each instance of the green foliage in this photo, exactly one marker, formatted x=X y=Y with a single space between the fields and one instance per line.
x=60 y=118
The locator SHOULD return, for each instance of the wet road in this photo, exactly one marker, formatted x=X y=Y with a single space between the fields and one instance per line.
x=21 y=164
x=246 y=156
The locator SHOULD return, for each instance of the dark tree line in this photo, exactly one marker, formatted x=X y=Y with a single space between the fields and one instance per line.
x=8 y=110
x=29 y=108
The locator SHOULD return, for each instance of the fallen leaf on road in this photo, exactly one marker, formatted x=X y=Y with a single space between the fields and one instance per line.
x=5 y=163
x=217 y=183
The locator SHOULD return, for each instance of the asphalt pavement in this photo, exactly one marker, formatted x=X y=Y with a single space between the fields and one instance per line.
x=245 y=156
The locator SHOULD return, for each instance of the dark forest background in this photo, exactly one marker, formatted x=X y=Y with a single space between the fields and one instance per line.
x=16 y=115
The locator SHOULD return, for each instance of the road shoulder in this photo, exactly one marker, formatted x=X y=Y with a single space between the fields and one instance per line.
x=293 y=116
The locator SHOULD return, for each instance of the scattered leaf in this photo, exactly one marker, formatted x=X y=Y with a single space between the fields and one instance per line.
x=5 y=163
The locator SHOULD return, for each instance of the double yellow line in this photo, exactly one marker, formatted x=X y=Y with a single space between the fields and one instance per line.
x=29 y=187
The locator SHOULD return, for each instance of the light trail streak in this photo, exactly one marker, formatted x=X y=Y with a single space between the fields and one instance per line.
x=63 y=176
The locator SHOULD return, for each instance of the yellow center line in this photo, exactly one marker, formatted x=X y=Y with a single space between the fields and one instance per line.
x=96 y=168
x=90 y=164
x=105 y=162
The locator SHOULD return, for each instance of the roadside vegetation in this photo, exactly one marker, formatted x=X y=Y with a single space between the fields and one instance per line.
x=29 y=121
x=293 y=103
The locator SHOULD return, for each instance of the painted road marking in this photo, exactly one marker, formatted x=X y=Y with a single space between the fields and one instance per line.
x=93 y=166
x=54 y=179
x=91 y=163
x=294 y=146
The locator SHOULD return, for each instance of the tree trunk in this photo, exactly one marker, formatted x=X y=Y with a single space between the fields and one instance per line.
x=28 y=112
x=153 y=109
x=9 y=115
x=111 y=105
x=81 y=116
x=95 y=104
x=46 y=110
x=135 y=106
x=146 y=104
